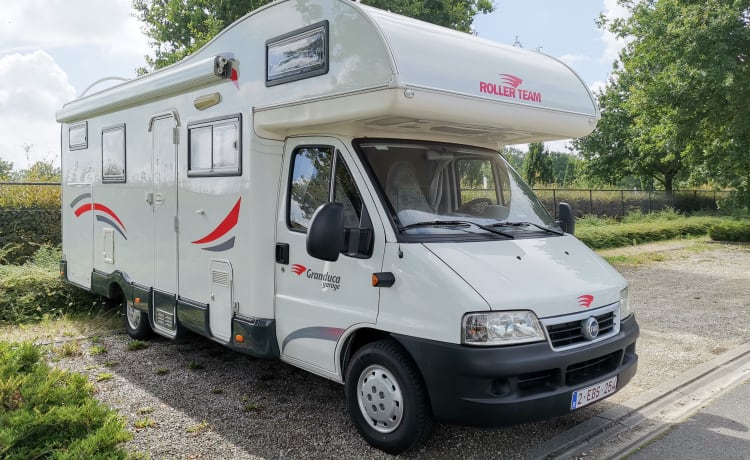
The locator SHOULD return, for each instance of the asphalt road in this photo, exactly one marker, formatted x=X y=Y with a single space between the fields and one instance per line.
x=721 y=430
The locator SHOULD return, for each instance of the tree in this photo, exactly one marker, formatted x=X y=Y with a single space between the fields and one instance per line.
x=537 y=166
x=565 y=168
x=515 y=157
x=5 y=169
x=177 y=28
x=41 y=171
x=677 y=105
x=455 y=14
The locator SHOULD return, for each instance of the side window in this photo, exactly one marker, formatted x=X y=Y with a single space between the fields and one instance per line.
x=310 y=184
x=78 y=136
x=312 y=170
x=214 y=148
x=113 y=154
x=345 y=192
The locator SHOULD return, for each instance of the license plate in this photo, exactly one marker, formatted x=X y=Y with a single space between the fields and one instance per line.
x=593 y=393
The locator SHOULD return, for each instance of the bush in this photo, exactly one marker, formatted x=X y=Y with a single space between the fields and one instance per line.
x=626 y=234
x=29 y=216
x=47 y=413
x=737 y=231
x=35 y=291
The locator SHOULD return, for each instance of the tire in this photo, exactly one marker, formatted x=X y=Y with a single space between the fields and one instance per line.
x=386 y=398
x=136 y=321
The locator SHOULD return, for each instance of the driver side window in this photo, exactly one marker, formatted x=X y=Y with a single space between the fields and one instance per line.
x=310 y=187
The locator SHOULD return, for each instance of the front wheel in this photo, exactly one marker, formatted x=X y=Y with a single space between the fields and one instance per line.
x=136 y=321
x=386 y=398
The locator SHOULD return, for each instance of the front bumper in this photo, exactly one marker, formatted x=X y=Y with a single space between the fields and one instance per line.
x=508 y=385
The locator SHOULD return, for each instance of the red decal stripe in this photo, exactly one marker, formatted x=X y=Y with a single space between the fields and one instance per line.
x=85 y=208
x=227 y=224
x=98 y=207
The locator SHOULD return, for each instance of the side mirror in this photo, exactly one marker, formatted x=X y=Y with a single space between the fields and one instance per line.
x=567 y=218
x=325 y=237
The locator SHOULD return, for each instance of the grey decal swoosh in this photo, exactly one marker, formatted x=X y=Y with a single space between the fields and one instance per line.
x=80 y=197
x=315 y=332
x=106 y=220
x=228 y=244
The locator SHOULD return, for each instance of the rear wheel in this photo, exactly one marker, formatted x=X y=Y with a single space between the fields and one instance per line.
x=386 y=398
x=136 y=321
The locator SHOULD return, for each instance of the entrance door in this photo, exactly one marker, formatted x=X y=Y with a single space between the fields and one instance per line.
x=317 y=301
x=164 y=199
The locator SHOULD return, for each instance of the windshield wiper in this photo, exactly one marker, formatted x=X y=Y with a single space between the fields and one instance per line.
x=456 y=223
x=526 y=224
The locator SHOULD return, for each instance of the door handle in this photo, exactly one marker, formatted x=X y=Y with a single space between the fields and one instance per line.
x=150 y=198
x=158 y=198
x=282 y=253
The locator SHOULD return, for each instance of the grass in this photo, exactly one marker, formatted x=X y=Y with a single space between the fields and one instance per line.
x=50 y=413
x=145 y=410
x=144 y=423
x=97 y=350
x=34 y=291
x=252 y=407
x=135 y=345
x=199 y=428
x=635 y=259
x=69 y=349
x=103 y=376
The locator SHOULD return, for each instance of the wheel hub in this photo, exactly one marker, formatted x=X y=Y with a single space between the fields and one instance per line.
x=380 y=399
x=134 y=316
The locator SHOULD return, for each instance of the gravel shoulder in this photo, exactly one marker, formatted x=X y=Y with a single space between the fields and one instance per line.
x=204 y=401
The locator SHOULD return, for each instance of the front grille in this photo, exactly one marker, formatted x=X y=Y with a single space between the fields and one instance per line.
x=537 y=382
x=570 y=333
x=586 y=371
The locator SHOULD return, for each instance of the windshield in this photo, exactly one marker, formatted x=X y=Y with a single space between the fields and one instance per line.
x=439 y=189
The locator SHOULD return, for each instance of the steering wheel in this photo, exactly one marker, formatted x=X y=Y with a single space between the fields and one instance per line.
x=475 y=206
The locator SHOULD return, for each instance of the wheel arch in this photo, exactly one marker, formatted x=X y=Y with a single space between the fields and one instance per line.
x=114 y=286
x=361 y=337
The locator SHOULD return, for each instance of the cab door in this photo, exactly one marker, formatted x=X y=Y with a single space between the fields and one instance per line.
x=317 y=301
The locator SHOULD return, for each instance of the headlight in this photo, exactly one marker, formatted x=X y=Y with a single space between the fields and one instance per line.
x=625 y=308
x=501 y=328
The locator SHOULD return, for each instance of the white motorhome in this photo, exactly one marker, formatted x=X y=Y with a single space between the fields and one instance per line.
x=321 y=184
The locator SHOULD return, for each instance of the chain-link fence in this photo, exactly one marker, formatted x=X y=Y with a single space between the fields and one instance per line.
x=619 y=203
x=29 y=216
x=30 y=212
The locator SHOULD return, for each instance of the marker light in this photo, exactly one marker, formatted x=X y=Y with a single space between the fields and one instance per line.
x=625 y=308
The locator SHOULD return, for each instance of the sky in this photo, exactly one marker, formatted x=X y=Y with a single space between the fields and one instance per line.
x=52 y=50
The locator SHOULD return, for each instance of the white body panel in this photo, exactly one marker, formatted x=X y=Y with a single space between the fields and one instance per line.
x=545 y=275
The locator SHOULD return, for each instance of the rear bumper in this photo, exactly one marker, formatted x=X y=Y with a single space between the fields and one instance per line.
x=508 y=385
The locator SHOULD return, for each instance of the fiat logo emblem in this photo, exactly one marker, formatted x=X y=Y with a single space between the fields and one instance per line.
x=590 y=328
